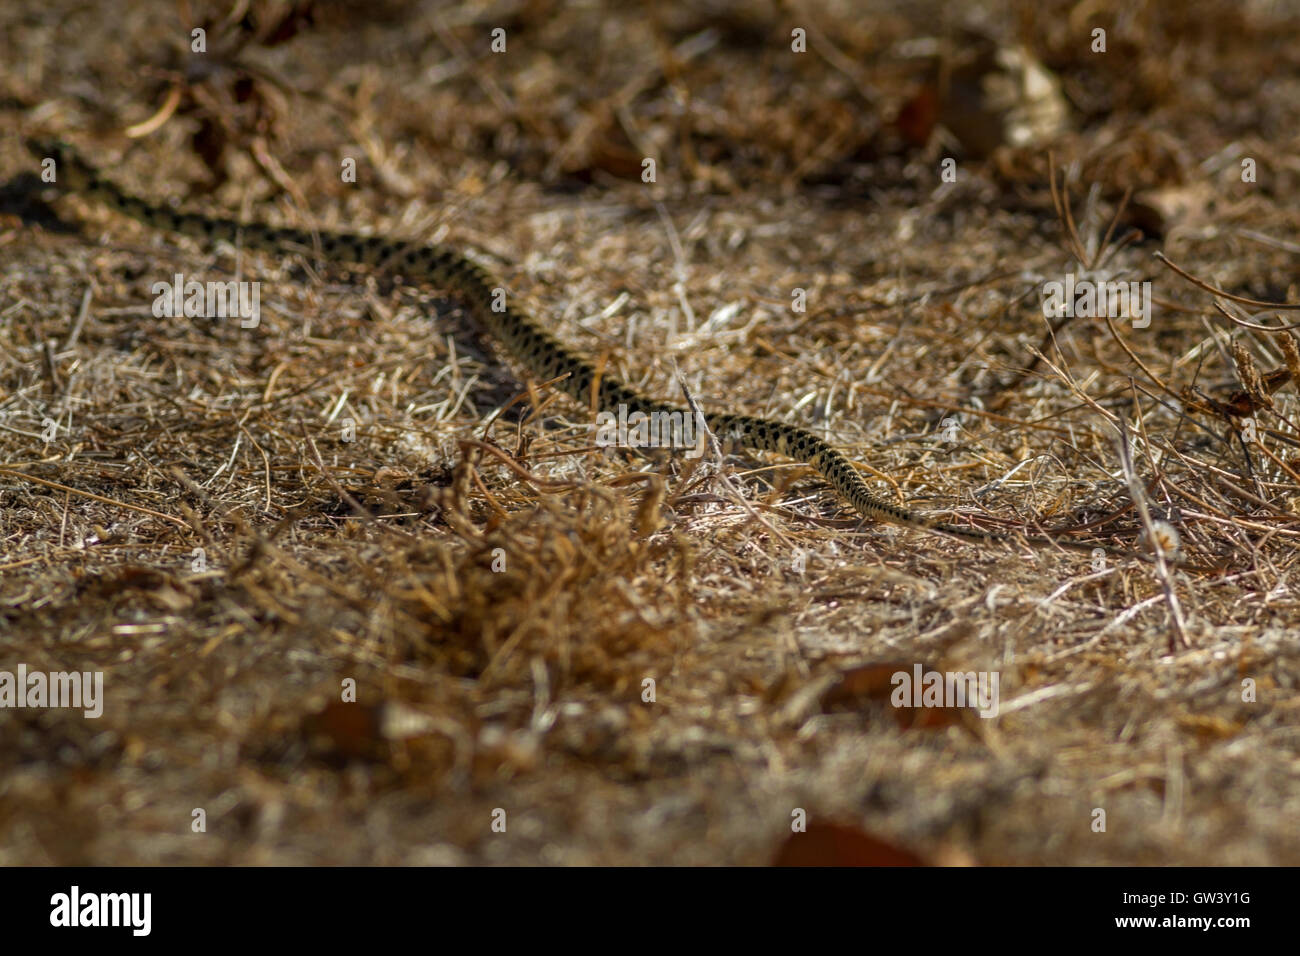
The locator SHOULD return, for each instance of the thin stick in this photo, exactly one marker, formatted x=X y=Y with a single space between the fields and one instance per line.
x=91 y=495
x=1178 y=626
x=717 y=454
x=1200 y=284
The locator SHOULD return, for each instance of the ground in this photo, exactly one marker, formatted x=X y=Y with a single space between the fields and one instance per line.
x=362 y=591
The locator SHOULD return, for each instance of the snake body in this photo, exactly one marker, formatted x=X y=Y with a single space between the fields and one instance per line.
x=517 y=330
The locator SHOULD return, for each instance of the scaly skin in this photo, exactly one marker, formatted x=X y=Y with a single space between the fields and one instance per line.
x=523 y=337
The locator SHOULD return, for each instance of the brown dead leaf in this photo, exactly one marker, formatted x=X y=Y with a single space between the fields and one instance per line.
x=835 y=844
x=871 y=686
x=1156 y=211
x=349 y=731
x=1208 y=727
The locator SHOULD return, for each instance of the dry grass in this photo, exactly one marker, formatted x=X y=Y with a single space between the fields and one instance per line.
x=499 y=589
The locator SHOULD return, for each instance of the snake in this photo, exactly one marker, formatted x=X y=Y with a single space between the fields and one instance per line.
x=521 y=333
